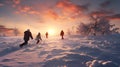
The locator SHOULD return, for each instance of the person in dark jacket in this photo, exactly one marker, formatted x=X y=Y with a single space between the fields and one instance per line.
x=27 y=36
x=62 y=34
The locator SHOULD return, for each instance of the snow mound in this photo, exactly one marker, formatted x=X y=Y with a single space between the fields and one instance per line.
x=73 y=51
x=101 y=63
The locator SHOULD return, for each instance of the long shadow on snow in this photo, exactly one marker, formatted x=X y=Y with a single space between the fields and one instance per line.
x=7 y=51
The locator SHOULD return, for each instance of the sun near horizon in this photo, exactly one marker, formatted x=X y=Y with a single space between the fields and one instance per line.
x=52 y=31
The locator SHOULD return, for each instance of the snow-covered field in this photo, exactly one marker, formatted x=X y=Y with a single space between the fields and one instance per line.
x=73 y=51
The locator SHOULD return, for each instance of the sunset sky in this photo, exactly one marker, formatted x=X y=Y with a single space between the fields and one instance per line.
x=47 y=15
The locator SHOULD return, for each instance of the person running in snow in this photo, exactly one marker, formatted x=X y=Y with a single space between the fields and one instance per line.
x=38 y=38
x=46 y=34
x=27 y=36
x=62 y=34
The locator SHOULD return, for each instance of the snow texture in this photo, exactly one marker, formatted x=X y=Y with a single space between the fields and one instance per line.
x=73 y=51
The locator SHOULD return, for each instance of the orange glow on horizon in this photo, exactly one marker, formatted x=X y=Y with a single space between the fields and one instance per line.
x=52 y=31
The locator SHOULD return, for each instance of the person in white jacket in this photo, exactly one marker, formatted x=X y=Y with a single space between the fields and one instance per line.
x=38 y=38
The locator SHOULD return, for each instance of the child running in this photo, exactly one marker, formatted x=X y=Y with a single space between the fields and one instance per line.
x=38 y=38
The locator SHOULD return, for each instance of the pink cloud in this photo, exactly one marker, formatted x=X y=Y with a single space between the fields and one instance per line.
x=1 y=4
x=6 y=31
x=63 y=10
x=107 y=14
x=52 y=14
x=101 y=13
x=114 y=17
x=16 y=1
x=68 y=7
x=26 y=10
x=3 y=28
x=106 y=3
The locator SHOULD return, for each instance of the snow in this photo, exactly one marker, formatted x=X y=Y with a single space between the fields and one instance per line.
x=73 y=51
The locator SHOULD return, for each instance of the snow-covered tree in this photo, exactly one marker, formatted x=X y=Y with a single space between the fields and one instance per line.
x=83 y=29
x=71 y=31
x=97 y=26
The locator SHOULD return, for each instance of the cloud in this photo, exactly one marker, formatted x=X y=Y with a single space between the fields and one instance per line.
x=52 y=14
x=68 y=7
x=106 y=14
x=6 y=31
x=106 y=3
x=24 y=9
x=67 y=11
x=102 y=13
x=1 y=4
x=27 y=10
x=114 y=17
x=16 y=2
x=62 y=10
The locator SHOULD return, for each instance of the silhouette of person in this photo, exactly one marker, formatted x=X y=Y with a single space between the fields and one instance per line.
x=27 y=36
x=46 y=34
x=62 y=34
x=38 y=38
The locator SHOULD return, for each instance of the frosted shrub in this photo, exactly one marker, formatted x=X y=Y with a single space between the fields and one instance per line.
x=98 y=26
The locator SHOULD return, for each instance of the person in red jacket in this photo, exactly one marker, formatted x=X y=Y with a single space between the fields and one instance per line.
x=27 y=36
x=62 y=34
x=46 y=34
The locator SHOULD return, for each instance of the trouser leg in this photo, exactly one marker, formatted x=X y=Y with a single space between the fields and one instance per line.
x=25 y=43
x=62 y=37
x=37 y=41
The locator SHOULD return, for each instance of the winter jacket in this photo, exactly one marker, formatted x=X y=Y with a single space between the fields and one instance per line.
x=38 y=37
x=27 y=35
x=61 y=33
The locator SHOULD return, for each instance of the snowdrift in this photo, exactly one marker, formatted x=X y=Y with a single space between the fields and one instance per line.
x=73 y=51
